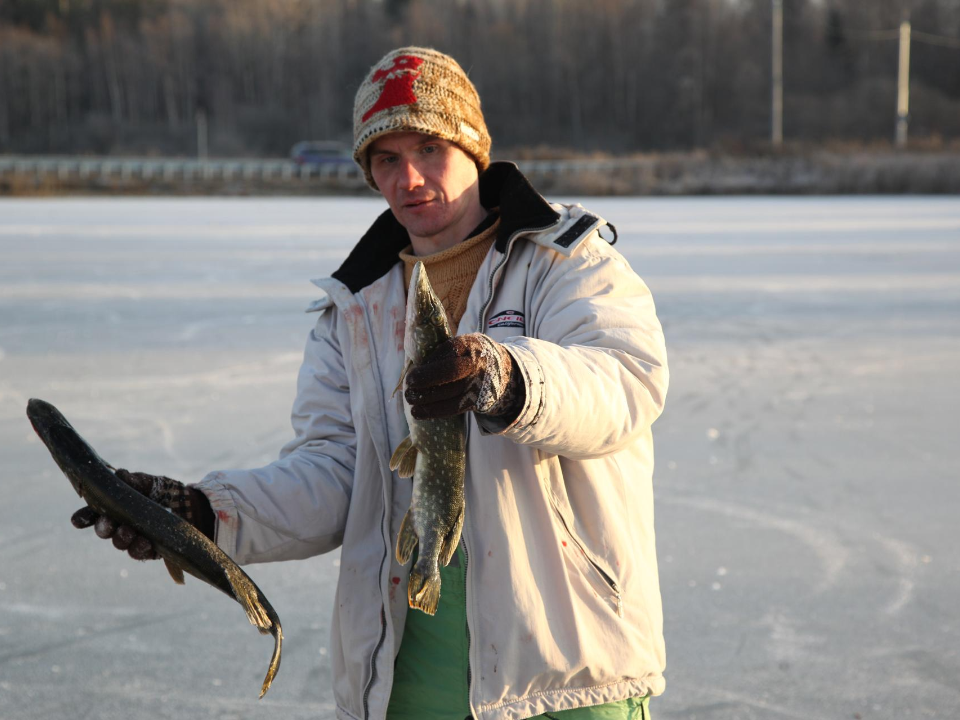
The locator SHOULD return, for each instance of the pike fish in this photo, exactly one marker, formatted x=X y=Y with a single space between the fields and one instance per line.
x=180 y=544
x=434 y=454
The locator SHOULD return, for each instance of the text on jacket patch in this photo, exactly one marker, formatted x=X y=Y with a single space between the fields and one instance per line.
x=506 y=318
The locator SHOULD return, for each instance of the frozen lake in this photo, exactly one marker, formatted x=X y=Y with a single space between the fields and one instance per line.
x=807 y=463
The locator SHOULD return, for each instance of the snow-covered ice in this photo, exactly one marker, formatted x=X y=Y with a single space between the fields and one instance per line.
x=807 y=462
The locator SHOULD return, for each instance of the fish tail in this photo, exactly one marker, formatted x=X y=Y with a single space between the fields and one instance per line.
x=423 y=591
x=274 y=661
x=248 y=596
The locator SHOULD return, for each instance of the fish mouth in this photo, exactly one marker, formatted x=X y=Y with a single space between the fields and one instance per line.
x=44 y=417
x=59 y=437
x=426 y=297
x=424 y=309
x=420 y=277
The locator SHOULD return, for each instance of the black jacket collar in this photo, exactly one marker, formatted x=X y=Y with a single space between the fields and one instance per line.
x=501 y=185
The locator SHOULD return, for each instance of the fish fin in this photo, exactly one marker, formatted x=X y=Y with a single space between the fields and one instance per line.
x=423 y=593
x=408 y=464
x=404 y=457
x=245 y=593
x=176 y=572
x=403 y=376
x=406 y=539
x=448 y=547
x=274 y=661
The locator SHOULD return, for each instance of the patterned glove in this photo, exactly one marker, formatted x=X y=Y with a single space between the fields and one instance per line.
x=185 y=502
x=467 y=372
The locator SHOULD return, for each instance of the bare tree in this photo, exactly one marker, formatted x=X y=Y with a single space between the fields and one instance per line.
x=129 y=76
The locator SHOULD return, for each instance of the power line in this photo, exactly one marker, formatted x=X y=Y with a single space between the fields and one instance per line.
x=876 y=34
x=905 y=34
x=894 y=34
x=932 y=39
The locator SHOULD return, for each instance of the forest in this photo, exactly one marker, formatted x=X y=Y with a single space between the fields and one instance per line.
x=129 y=77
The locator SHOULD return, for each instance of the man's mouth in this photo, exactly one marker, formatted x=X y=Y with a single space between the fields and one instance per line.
x=417 y=203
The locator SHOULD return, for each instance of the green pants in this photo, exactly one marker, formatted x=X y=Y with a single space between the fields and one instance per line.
x=430 y=674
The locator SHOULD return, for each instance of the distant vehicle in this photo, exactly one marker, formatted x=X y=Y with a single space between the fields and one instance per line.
x=320 y=152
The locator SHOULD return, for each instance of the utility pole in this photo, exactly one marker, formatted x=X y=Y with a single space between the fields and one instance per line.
x=776 y=110
x=903 y=82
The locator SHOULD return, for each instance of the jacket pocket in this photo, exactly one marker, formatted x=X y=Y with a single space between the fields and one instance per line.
x=593 y=571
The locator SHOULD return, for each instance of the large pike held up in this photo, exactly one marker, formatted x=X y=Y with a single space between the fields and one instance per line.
x=434 y=454
x=180 y=544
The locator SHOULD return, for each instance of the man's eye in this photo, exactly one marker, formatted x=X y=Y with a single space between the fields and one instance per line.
x=430 y=149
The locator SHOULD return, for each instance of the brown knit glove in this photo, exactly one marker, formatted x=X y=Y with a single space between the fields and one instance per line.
x=185 y=502
x=466 y=372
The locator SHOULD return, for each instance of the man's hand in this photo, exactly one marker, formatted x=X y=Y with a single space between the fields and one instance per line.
x=466 y=372
x=183 y=501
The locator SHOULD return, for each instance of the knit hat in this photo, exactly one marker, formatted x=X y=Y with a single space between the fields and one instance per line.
x=414 y=89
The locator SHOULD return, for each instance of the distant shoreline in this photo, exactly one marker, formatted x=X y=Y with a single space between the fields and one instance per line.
x=791 y=172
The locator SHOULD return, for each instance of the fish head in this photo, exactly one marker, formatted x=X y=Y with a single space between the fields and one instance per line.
x=55 y=431
x=44 y=417
x=427 y=324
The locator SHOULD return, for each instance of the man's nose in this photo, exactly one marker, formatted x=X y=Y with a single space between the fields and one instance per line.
x=410 y=177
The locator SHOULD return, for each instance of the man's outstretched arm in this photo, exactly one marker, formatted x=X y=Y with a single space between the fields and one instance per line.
x=297 y=505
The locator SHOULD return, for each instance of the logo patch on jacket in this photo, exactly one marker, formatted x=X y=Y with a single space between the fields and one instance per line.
x=506 y=318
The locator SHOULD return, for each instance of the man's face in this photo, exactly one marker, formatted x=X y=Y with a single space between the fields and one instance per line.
x=430 y=185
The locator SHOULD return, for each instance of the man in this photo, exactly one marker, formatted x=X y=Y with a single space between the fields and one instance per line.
x=551 y=607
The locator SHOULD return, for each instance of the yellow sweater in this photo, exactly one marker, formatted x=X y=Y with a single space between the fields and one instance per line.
x=452 y=271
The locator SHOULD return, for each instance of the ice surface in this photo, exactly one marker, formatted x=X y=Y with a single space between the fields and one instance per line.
x=807 y=462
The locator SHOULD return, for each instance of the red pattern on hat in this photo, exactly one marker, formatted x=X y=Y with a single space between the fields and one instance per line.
x=398 y=88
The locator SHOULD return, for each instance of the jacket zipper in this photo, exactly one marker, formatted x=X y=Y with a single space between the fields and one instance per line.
x=383 y=635
x=496 y=269
x=384 y=535
x=383 y=620
x=610 y=582
x=466 y=564
x=466 y=556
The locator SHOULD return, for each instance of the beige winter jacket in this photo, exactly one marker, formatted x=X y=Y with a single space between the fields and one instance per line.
x=563 y=599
